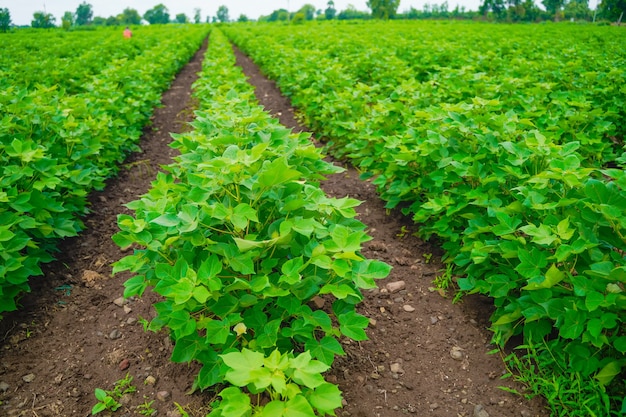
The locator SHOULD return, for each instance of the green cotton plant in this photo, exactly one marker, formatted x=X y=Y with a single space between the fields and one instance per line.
x=239 y=236
x=64 y=135
x=239 y=240
x=279 y=385
x=508 y=153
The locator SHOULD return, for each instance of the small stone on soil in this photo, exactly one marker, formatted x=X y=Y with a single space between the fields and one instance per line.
x=120 y=301
x=115 y=334
x=479 y=411
x=408 y=308
x=150 y=380
x=163 y=395
x=28 y=378
x=396 y=368
x=456 y=353
x=395 y=286
x=4 y=387
x=124 y=365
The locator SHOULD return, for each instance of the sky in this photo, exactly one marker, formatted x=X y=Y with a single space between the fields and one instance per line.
x=22 y=10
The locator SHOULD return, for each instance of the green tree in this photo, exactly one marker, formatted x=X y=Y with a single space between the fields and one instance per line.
x=277 y=16
x=43 y=20
x=67 y=21
x=383 y=9
x=158 y=14
x=99 y=21
x=84 y=14
x=577 y=9
x=5 y=19
x=181 y=18
x=352 y=13
x=112 y=21
x=553 y=7
x=129 y=17
x=242 y=18
x=222 y=14
x=494 y=6
x=612 y=9
x=531 y=11
x=197 y=17
x=308 y=10
x=330 y=11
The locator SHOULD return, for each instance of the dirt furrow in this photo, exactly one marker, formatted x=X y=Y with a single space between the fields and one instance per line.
x=74 y=333
x=425 y=356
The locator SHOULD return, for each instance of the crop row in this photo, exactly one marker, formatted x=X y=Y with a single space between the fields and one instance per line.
x=238 y=239
x=56 y=147
x=69 y=60
x=507 y=144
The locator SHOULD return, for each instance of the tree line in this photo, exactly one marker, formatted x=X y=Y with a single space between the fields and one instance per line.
x=499 y=10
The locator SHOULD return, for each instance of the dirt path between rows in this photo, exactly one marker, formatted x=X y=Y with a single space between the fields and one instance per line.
x=425 y=356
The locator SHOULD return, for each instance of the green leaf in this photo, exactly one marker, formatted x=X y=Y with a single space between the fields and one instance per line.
x=242 y=214
x=100 y=394
x=99 y=407
x=352 y=325
x=6 y=234
x=167 y=220
x=541 y=235
x=508 y=318
x=326 y=398
x=593 y=300
x=276 y=172
x=201 y=294
x=245 y=245
x=365 y=272
x=234 y=403
x=135 y=286
x=325 y=350
x=553 y=276
x=563 y=230
x=308 y=372
x=507 y=224
x=217 y=332
x=610 y=371
x=573 y=324
x=246 y=359
x=620 y=344
x=242 y=263
x=531 y=262
x=185 y=350
x=296 y=407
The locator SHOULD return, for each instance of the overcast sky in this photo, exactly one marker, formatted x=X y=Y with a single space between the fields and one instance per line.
x=22 y=10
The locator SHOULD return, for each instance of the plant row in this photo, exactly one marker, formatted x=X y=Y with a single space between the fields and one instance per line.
x=506 y=143
x=239 y=240
x=56 y=147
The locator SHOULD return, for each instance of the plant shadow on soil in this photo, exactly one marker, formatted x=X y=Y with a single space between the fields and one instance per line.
x=73 y=334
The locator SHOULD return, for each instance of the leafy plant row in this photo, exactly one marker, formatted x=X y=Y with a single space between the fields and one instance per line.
x=563 y=79
x=56 y=147
x=69 y=60
x=238 y=239
x=511 y=157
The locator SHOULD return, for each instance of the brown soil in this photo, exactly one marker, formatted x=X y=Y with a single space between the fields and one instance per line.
x=70 y=338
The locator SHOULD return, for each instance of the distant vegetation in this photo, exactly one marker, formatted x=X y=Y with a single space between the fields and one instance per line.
x=490 y=10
